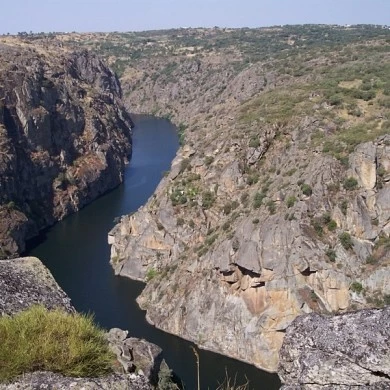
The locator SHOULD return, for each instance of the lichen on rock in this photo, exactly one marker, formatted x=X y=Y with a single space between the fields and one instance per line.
x=347 y=351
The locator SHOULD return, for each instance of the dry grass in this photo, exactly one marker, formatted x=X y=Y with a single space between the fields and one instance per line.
x=38 y=339
x=231 y=384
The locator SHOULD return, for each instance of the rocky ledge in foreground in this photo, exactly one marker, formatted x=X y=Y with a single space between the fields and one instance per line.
x=49 y=380
x=349 y=351
x=139 y=364
x=25 y=282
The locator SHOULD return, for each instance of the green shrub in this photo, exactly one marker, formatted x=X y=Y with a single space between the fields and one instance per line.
x=207 y=199
x=382 y=241
x=326 y=218
x=38 y=339
x=185 y=164
x=350 y=183
x=356 y=287
x=181 y=133
x=151 y=273
x=10 y=205
x=331 y=255
x=202 y=251
x=371 y=260
x=208 y=160
x=346 y=240
x=178 y=197
x=317 y=225
x=306 y=189
x=226 y=226
x=228 y=207
x=271 y=207
x=332 y=225
x=335 y=100
x=344 y=206
x=291 y=201
x=291 y=172
x=258 y=200
x=254 y=143
x=252 y=179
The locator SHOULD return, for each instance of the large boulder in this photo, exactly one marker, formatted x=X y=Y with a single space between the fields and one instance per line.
x=348 y=351
x=135 y=355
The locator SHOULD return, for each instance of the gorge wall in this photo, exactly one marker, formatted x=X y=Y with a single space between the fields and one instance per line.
x=278 y=202
x=64 y=134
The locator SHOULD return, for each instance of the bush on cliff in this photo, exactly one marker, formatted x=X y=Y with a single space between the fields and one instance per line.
x=38 y=339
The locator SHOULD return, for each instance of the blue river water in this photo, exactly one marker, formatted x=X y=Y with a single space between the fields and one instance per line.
x=76 y=252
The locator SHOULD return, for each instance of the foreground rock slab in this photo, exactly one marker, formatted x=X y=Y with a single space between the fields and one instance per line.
x=342 y=352
x=49 y=380
x=25 y=282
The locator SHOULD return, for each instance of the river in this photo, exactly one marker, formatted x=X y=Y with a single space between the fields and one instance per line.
x=76 y=252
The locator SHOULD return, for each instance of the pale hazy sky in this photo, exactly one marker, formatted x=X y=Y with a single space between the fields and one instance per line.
x=135 y=15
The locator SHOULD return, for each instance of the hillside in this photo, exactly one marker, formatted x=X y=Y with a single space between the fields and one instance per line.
x=278 y=201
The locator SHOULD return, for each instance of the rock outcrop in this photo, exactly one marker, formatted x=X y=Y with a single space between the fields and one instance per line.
x=49 y=380
x=25 y=282
x=277 y=204
x=64 y=136
x=348 y=351
x=135 y=355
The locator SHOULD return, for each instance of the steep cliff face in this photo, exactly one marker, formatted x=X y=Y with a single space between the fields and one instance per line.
x=277 y=204
x=348 y=351
x=64 y=135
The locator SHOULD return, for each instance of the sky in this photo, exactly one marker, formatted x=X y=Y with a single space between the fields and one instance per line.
x=138 y=15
